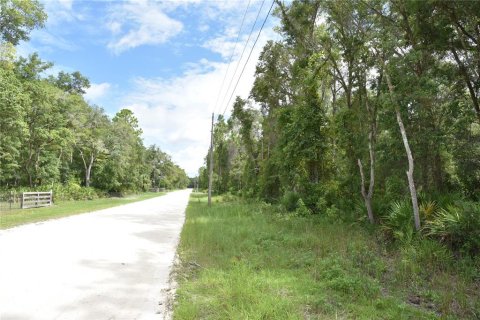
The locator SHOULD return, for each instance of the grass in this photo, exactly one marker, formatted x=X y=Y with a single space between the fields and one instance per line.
x=9 y=219
x=248 y=261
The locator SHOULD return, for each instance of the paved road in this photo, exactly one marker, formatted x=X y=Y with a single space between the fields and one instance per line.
x=108 y=264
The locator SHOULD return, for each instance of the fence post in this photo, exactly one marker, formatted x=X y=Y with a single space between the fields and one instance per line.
x=23 y=197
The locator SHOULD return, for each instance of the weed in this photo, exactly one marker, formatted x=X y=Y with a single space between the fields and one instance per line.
x=259 y=264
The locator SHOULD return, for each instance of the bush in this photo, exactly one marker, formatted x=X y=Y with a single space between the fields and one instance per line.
x=321 y=205
x=290 y=200
x=302 y=210
x=394 y=187
x=73 y=191
x=458 y=226
x=398 y=223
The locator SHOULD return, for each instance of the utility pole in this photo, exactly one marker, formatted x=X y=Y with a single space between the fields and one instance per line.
x=210 y=174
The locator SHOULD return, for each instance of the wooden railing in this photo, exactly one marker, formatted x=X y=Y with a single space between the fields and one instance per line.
x=36 y=199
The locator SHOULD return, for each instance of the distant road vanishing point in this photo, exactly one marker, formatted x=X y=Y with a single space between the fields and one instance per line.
x=108 y=264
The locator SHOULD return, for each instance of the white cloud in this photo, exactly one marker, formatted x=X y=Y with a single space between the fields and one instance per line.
x=224 y=45
x=61 y=11
x=48 y=41
x=114 y=26
x=145 y=22
x=97 y=91
x=203 y=27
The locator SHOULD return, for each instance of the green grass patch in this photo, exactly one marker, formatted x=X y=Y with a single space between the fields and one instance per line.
x=61 y=209
x=247 y=261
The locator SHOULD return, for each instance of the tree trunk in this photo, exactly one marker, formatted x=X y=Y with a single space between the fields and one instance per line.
x=411 y=182
x=88 y=167
x=367 y=198
x=88 y=172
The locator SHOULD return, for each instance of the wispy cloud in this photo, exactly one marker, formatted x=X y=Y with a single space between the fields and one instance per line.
x=61 y=11
x=97 y=91
x=139 y=23
x=47 y=41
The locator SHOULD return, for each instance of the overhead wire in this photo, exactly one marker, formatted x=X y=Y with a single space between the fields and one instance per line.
x=231 y=57
x=241 y=56
x=249 y=55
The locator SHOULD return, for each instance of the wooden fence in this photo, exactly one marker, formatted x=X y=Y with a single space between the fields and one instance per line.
x=36 y=199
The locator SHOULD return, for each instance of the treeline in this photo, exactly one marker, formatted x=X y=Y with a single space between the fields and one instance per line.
x=49 y=134
x=367 y=108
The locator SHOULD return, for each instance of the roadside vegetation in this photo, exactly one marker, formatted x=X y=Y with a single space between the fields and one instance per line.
x=252 y=260
x=64 y=208
x=363 y=124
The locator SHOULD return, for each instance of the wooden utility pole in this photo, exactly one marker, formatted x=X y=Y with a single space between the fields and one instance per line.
x=210 y=174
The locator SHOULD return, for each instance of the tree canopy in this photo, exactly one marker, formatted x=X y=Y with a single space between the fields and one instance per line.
x=355 y=94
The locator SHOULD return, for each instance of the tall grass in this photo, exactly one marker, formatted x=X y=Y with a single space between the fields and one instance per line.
x=248 y=261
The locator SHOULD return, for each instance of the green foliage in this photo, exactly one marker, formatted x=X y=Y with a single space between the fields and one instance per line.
x=347 y=88
x=290 y=201
x=302 y=210
x=18 y=18
x=13 y=127
x=246 y=260
x=458 y=226
x=398 y=223
x=74 y=191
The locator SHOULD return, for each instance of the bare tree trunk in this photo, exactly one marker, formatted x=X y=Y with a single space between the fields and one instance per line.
x=367 y=198
x=87 y=168
x=88 y=172
x=411 y=182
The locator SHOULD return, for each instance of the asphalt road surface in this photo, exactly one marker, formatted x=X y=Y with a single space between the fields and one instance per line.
x=108 y=264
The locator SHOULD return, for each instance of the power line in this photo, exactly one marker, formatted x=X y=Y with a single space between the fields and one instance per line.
x=231 y=56
x=248 y=58
x=241 y=56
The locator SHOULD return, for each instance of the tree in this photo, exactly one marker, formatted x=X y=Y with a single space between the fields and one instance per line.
x=31 y=68
x=18 y=18
x=91 y=126
x=73 y=83
x=13 y=129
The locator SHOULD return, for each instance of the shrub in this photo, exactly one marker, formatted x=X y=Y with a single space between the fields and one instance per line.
x=73 y=191
x=290 y=200
x=333 y=212
x=458 y=226
x=428 y=209
x=302 y=210
x=321 y=205
x=394 y=187
x=398 y=223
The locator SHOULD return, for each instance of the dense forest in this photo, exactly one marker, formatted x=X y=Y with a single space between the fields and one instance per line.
x=50 y=136
x=364 y=109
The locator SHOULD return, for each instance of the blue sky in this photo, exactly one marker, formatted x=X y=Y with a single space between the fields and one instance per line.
x=164 y=60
